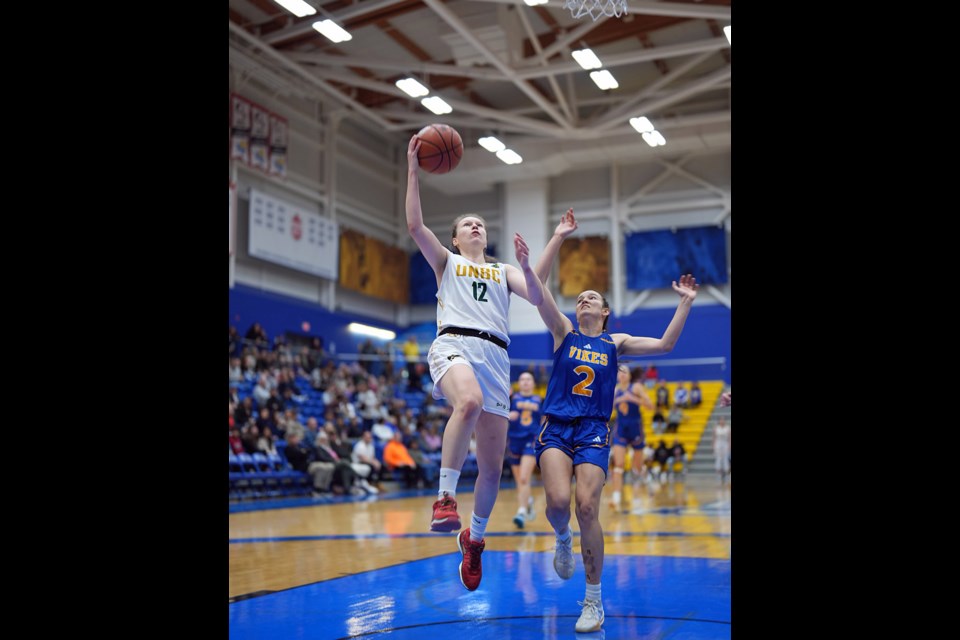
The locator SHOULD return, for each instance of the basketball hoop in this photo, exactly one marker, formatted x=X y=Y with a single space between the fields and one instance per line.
x=596 y=8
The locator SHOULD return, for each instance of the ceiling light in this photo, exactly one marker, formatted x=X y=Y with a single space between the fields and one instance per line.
x=654 y=138
x=604 y=79
x=641 y=124
x=491 y=144
x=298 y=8
x=332 y=30
x=533 y=3
x=726 y=32
x=587 y=59
x=437 y=105
x=412 y=88
x=509 y=156
x=367 y=330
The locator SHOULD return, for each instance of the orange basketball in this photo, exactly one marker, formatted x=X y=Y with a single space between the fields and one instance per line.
x=441 y=148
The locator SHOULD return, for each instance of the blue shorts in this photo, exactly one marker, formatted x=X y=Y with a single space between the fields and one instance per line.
x=629 y=434
x=517 y=447
x=583 y=440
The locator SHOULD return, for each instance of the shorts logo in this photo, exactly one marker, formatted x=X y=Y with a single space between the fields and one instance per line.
x=456 y=355
x=500 y=405
x=597 y=439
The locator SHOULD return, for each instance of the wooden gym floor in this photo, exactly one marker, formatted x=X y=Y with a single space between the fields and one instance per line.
x=370 y=568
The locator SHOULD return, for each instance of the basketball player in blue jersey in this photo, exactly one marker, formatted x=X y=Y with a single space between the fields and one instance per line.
x=524 y=424
x=627 y=400
x=468 y=361
x=574 y=440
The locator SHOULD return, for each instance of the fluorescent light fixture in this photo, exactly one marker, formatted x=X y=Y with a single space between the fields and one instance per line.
x=491 y=144
x=332 y=30
x=641 y=124
x=437 y=105
x=412 y=88
x=604 y=79
x=587 y=59
x=726 y=32
x=298 y=8
x=509 y=156
x=367 y=330
x=533 y=3
x=654 y=138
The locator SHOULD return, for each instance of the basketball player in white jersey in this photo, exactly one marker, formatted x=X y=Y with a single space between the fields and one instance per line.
x=468 y=360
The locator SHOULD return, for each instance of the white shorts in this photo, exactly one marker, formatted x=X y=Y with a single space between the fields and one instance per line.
x=490 y=364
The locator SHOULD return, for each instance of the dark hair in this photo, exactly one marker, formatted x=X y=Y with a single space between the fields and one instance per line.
x=453 y=234
x=606 y=305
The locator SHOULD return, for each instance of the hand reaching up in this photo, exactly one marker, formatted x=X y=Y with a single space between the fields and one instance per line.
x=522 y=251
x=687 y=288
x=568 y=224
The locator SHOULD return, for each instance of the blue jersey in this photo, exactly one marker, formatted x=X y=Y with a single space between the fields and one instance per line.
x=628 y=413
x=527 y=424
x=584 y=378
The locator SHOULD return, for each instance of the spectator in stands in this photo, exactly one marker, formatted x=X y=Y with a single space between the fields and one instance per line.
x=650 y=376
x=660 y=457
x=261 y=390
x=663 y=395
x=257 y=335
x=397 y=457
x=411 y=353
x=725 y=400
x=343 y=473
x=265 y=421
x=304 y=460
x=275 y=403
x=266 y=443
x=368 y=402
x=243 y=412
x=235 y=372
x=678 y=455
x=427 y=469
x=658 y=423
x=430 y=439
x=236 y=444
x=365 y=452
x=696 y=396
x=674 y=419
x=721 y=448
x=681 y=397
x=250 y=437
x=236 y=343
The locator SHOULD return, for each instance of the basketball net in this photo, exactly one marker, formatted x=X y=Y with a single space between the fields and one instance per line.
x=596 y=8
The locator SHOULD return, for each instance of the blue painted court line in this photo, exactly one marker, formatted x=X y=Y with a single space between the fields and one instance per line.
x=489 y=534
x=521 y=597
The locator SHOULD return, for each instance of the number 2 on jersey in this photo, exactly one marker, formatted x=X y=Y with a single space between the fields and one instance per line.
x=582 y=388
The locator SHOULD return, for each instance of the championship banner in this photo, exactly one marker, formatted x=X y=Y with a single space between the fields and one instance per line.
x=239 y=129
x=374 y=268
x=278 y=146
x=233 y=217
x=288 y=235
x=260 y=139
x=584 y=264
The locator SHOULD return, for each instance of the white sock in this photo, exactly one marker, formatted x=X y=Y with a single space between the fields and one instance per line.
x=615 y=497
x=478 y=527
x=448 y=482
x=565 y=538
x=593 y=592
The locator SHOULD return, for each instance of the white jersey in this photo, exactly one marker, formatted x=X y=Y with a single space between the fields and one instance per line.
x=473 y=296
